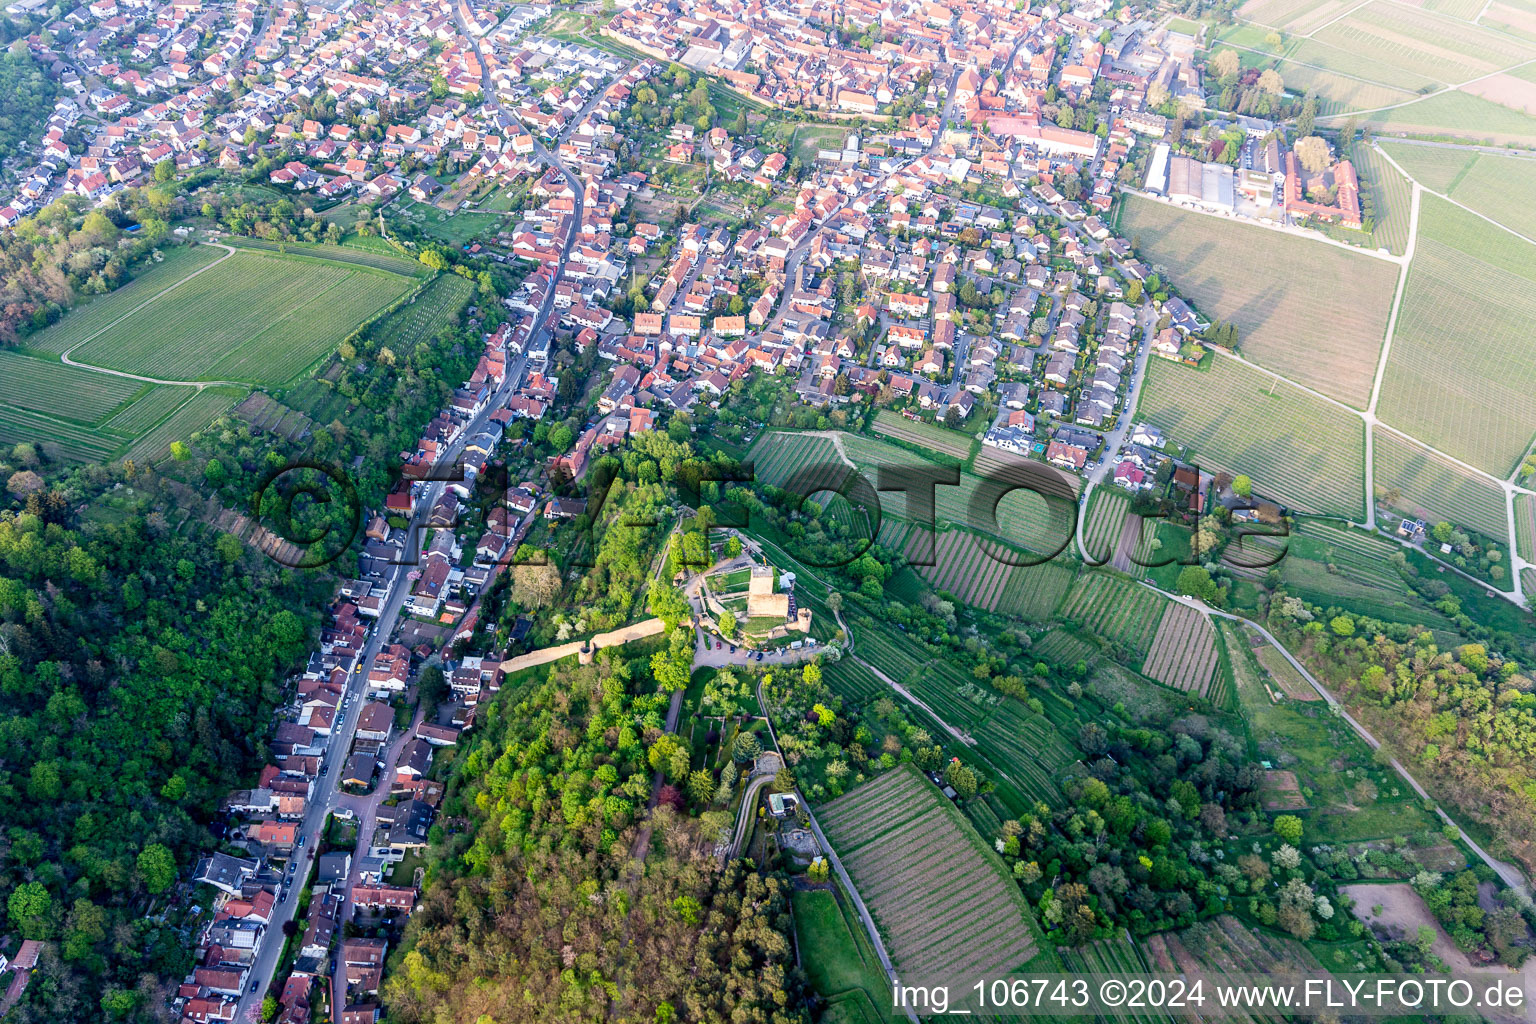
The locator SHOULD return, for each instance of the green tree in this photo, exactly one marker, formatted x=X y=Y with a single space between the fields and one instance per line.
x=157 y=866
x=1242 y=486
x=1288 y=827
x=29 y=908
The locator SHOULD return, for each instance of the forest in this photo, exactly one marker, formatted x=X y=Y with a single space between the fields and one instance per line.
x=28 y=93
x=559 y=903
x=62 y=252
x=139 y=665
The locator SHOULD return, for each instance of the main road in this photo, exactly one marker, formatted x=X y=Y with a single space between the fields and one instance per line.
x=320 y=807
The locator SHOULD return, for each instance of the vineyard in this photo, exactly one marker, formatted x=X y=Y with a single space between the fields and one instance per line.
x=1459 y=374
x=89 y=318
x=1019 y=517
x=925 y=435
x=1062 y=648
x=915 y=860
x=1525 y=526
x=387 y=260
x=1433 y=487
x=145 y=412
x=70 y=441
x=253 y=316
x=191 y=416
x=1028 y=749
x=1034 y=591
x=85 y=416
x=1107 y=511
x=954 y=696
x=1225 y=946
x=853 y=682
x=62 y=391
x=1115 y=609
x=1116 y=956
x=1296 y=447
x=1184 y=654
x=777 y=457
x=970 y=569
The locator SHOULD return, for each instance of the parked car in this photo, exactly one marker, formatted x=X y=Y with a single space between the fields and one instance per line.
x=301 y=839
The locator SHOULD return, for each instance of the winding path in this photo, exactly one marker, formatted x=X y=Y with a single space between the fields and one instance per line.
x=1507 y=872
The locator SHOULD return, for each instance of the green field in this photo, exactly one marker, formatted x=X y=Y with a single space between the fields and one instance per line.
x=1490 y=184
x=841 y=968
x=1458 y=114
x=1437 y=489
x=254 y=317
x=1462 y=361
x=1296 y=447
x=457 y=228
x=1269 y=284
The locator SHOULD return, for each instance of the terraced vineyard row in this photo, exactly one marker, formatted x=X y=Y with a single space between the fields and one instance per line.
x=778 y=456
x=1184 y=652
x=955 y=697
x=1112 y=956
x=69 y=440
x=917 y=861
x=193 y=415
x=1437 y=487
x=145 y=412
x=1034 y=591
x=853 y=682
x=966 y=567
x=1116 y=610
x=1101 y=529
x=1525 y=525
x=1062 y=648
x=62 y=391
x=1028 y=749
